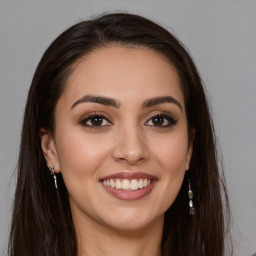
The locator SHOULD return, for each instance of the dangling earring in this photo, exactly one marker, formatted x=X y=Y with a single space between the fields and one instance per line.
x=192 y=209
x=54 y=176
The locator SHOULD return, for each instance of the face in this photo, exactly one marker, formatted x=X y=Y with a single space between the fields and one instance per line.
x=121 y=139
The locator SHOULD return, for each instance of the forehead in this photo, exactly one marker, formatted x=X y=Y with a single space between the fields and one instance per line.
x=123 y=73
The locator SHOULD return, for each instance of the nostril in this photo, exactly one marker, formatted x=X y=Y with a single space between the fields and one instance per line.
x=131 y=159
x=131 y=148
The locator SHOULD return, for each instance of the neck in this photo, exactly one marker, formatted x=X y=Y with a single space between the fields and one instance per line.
x=95 y=239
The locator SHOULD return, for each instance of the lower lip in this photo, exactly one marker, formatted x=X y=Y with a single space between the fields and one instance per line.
x=129 y=195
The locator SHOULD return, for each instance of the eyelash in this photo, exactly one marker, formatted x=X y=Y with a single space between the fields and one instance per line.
x=165 y=118
x=90 y=117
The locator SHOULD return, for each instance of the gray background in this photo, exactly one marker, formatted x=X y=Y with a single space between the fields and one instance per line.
x=221 y=36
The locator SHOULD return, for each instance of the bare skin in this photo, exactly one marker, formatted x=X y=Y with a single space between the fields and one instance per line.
x=97 y=240
x=122 y=114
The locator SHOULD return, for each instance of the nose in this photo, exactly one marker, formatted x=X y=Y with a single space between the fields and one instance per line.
x=130 y=146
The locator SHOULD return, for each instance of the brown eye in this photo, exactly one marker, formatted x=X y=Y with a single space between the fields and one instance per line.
x=161 y=120
x=158 y=120
x=95 y=121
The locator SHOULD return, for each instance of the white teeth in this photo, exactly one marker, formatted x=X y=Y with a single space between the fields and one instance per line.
x=118 y=184
x=141 y=183
x=112 y=183
x=134 y=185
x=127 y=184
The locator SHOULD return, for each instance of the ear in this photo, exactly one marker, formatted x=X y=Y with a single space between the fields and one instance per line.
x=190 y=147
x=49 y=149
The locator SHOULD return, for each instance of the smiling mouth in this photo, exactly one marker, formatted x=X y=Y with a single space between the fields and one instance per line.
x=127 y=185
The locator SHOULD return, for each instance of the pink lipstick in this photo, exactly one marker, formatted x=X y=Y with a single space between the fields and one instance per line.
x=129 y=185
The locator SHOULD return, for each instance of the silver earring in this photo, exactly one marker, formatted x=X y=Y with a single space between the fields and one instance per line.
x=192 y=209
x=54 y=176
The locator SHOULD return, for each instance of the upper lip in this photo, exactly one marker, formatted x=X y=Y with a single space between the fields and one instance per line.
x=129 y=176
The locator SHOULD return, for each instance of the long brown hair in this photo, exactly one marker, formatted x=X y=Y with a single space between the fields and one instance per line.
x=42 y=222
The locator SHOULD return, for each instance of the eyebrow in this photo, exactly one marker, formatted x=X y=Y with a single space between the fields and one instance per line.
x=116 y=104
x=97 y=99
x=160 y=100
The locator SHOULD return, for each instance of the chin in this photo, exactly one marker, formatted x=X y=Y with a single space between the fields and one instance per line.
x=132 y=220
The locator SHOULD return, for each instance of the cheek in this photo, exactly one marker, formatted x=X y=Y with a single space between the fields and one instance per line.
x=171 y=151
x=170 y=155
x=172 y=160
x=80 y=158
x=79 y=154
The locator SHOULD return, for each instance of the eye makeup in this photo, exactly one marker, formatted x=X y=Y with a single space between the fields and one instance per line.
x=97 y=120
x=161 y=120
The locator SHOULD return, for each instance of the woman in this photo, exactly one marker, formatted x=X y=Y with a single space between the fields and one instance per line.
x=118 y=150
